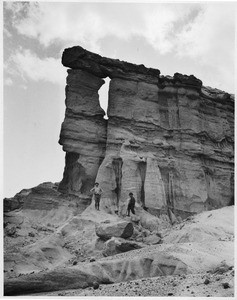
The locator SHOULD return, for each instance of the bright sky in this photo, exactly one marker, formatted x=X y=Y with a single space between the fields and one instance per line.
x=187 y=38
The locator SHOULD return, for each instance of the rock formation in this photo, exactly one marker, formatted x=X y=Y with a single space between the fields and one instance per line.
x=107 y=230
x=169 y=140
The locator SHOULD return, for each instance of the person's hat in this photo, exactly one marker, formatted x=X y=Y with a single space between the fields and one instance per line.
x=96 y=183
x=130 y=194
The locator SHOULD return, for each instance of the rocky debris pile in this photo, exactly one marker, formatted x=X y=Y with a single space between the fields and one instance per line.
x=189 y=285
x=71 y=247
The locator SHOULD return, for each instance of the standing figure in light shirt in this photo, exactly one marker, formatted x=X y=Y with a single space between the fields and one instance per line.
x=97 y=191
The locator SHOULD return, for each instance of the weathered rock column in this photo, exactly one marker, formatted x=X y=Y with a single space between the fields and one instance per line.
x=83 y=132
x=154 y=186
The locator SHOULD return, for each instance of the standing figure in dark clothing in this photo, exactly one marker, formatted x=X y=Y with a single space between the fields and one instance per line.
x=131 y=204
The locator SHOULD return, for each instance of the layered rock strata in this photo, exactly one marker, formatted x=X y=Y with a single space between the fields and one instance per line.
x=169 y=140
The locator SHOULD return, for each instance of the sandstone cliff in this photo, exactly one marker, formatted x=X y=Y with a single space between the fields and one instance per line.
x=169 y=140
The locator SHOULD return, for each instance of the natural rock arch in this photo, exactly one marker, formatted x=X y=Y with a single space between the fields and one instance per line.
x=161 y=136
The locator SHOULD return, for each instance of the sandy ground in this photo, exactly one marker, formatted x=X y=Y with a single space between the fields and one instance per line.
x=60 y=237
x=192 y=285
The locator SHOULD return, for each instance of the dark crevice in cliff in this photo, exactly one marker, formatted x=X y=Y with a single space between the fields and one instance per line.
x=117 y=166
x=170 y=198
x=142 y=170
x=104 y=96
x=210 y=161
x=70 y=173
x=75 y=179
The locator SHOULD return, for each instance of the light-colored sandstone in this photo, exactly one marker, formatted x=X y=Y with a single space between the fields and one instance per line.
x=168 y=139
x=121 y=229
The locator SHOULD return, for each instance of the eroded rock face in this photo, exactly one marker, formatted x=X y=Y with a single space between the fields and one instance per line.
x=169 y=140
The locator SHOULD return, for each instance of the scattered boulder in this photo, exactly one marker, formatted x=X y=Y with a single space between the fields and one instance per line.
x=136 y=232
x=119 y=245
x=13 y=218
x=96 y=285
x=145 y=232
x=51 y=280
x=10 y=230
x=121 y=229
x=225 y=285
x=139 y=238
x=158 y=234
x=152 y=239
x=207 y=281
x=173 y=218
x=149 y=222
x=135 y=219
x=107 y=221
x=221 y=269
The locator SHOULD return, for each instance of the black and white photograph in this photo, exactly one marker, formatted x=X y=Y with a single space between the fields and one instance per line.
x=118 y=130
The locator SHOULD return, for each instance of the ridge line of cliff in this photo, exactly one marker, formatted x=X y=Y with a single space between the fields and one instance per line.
x=79 y=58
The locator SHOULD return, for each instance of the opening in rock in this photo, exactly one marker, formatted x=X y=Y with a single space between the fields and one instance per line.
x=66 y=185
x=104 y=96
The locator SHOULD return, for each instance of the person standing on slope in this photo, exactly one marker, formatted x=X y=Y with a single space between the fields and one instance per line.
x=97 y=191
x=131 y=204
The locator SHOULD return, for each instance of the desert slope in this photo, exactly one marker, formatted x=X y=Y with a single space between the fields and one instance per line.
x=66 y=254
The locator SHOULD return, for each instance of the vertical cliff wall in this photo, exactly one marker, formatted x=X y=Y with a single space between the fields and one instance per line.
x=169 y=140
